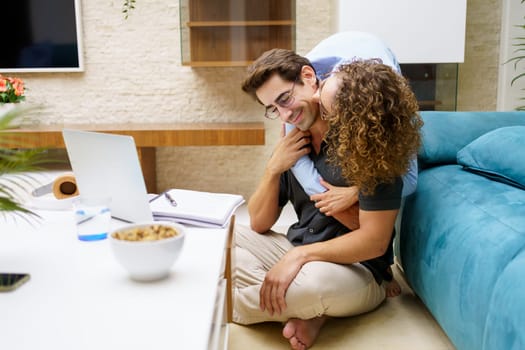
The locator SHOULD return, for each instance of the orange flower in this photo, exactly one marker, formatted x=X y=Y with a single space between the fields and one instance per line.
x=18 y=85
x=11 y=89
x=3 y=84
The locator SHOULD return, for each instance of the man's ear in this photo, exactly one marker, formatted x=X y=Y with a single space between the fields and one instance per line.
x=308 y=75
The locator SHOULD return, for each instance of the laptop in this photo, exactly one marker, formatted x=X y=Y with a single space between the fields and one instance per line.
x=107 y=164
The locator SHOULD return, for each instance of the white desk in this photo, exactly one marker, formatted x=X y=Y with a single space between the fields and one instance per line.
x=78 y=296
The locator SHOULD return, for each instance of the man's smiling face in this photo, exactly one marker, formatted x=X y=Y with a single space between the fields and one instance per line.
x=291 y=101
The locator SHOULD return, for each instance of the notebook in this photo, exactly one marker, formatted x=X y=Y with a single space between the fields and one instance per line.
x=205 y=209
x=107 y=164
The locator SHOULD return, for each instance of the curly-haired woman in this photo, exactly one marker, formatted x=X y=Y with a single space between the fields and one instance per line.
x=373 y=123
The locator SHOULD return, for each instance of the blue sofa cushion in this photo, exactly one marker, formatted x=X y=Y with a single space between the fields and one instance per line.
x=497 y=155
x=445 y=133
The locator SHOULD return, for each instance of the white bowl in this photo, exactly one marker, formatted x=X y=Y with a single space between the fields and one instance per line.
x=148 y=260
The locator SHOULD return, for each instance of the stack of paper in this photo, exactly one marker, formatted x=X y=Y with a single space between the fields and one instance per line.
x=205 y=209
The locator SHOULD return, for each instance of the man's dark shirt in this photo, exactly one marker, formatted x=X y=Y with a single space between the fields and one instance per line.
x=313 y=226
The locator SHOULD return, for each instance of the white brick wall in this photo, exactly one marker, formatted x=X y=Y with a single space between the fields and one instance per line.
x=133 y=73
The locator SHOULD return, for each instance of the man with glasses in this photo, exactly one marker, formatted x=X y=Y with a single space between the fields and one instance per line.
x=277 y=277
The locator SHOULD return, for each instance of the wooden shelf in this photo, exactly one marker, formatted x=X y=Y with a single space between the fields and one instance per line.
x=147 y=137
x=217 y=63
x=234 y=33
x=240 y=23
x=429 y=103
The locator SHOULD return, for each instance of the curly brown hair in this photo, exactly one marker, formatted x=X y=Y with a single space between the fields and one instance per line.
x=374 y=127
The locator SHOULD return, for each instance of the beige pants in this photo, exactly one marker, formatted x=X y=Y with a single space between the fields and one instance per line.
x=320 y=288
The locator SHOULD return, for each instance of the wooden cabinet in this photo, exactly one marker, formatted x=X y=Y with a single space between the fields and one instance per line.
x=234 y=32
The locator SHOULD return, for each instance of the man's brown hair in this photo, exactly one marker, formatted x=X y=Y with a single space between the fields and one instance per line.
x=286 y=63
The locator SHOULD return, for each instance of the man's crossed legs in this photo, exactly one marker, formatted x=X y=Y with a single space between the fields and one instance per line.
x=320 y=289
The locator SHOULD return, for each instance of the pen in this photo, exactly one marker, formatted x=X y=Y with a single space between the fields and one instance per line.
x=170 y=199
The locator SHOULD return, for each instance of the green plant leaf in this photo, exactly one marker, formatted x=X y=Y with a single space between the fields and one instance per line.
x=518 y=57
x=11 y=209
x=127 y=7
x=521 y=75
x=16 y=164
x=7 y=204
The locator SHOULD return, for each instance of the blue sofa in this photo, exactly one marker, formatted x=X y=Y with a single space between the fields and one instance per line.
x=461 y=243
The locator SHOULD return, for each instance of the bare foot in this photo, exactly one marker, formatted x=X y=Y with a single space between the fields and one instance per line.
x=302 y=333
x=392 y=288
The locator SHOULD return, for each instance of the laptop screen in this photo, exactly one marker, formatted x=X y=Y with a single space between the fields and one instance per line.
x=108 y=164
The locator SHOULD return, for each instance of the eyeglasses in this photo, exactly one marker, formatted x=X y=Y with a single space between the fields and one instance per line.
x=286 y=99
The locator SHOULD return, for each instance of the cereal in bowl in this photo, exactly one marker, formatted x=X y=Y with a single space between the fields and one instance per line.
x=146 y=233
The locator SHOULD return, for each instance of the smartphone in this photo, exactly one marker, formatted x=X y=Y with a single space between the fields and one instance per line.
x=11 y=281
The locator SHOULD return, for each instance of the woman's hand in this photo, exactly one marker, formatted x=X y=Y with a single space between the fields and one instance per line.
x=335 y=199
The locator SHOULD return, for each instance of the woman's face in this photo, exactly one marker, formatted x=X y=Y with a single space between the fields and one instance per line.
x=326 y=93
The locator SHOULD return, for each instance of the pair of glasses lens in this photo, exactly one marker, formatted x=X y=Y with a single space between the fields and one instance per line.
x=286 y=99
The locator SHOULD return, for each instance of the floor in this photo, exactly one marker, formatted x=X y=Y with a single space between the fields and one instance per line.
x=400 y=323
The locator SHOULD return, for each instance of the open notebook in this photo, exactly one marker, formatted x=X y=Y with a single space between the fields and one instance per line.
x=206 y=209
